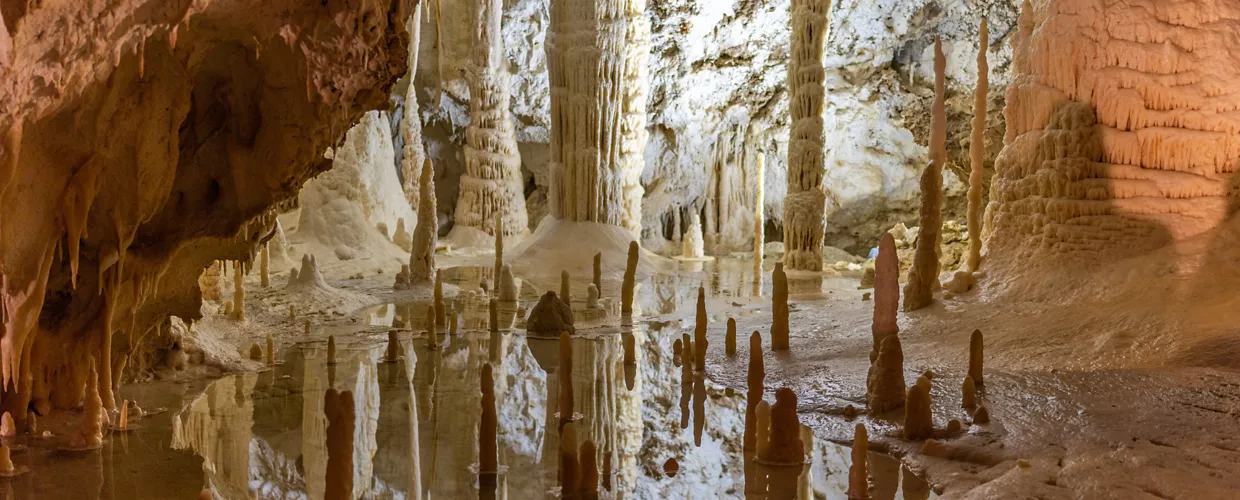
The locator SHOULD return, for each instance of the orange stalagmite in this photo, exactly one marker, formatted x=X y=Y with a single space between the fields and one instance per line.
x=729 y=339
x=89 y=433
x=977 y=151
x=858 y=479
x=630 y=278
x=779 y=309
x=918 y=420
x=924 y=275
x=784 y=445
x=570 y=466
x=587 y=458
x=699 y=332
x=339 y=409
x=757 y=375
x=975 y=356
x=886 y=293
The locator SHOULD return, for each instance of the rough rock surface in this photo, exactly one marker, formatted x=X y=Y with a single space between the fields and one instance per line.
x=550 y=315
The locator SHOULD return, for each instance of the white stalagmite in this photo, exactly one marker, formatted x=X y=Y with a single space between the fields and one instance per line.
x=596 y=62
x=694 y=246
x=491 y=184
x=426 y=234
x=759 y=217
x=412 y=153
x=806 y=200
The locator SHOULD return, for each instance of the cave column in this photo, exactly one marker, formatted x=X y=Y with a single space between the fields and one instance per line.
x=805 y=202
x=492 y=181
x=596 y=60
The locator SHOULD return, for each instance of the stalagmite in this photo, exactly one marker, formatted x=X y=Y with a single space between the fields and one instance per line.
x=331 y=349
x=307 y=328
x=757 y=375
x=630 y=278
x=441 y=319
x=393 y=347
x=271 y=351
x=969 y=393
x=598 y=273
x=918 y=421
x=565 y=289
x=264 y=266
x=89 y=433
x=924 y=275
x=507 y=285
x=550 y=316
x=759 y=216
x=339 y=409
x=784 y=445
x=488 y=446
x=6 y=461
x=566 y=378
x=729 y=339
x=401 y=237
x=977 y=151
x=858 y=479
x=885 y=384
x=779 y=309
x=426 y=233
x=499 y=245
x=570 y=467
x=238 y=310
x=123 y=416
x=805 y=202
x=676 y=227
x=981 y=415
x=699 y=332
x=886 y=294
x=256 y=352
x=493 y=315
x=975 y=356
x=689 y=357
x=588 y=459
x=491 y=187
x=694 y=247
x=8 y=428
x=596 y=63
x=678 y=349
x=292 y=312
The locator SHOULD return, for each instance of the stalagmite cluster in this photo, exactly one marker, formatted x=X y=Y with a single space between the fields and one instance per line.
x=805 y=202
x=426 y=233
x=331 y=349
x=923 y=277
x=918 y=420
x=488 y=445
x=858 y=478
x=630 y=278
x=784 y=445
x=596 y=64
x=779 y=309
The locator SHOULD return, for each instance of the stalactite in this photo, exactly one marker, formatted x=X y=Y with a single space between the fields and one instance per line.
x=598 y=109
x=805 y=203
x=426 y=233
x=924 y=275
x=491 y=188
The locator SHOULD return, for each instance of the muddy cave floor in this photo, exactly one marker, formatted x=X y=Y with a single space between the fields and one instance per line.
x=1071 y=418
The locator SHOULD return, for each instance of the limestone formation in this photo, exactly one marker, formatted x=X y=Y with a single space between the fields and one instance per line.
x=426 y=233
x=699 y=331
x=598 y=273
x=779 y=309
x=256 y=352
x=858 y=479
x=729 y=339
x=488 y=431
x=757 y=375
x=592 y=297
x=630 y=278
x=805 y=202
x=587 y=457
x=596 y=63
x=565 y=288
x=784 y=445
x=550 y=316
x=331 y=349
x=491 y=187
x=440 y=317
x=923 y=277
x=8 y=428
x=886 y=294
x=493 y=315
x=309 y=273
x=393 y=348
x=264 y=266
x=565 y=373
x=338 y=407
x=401 y=237
x=885 y=383
x=271 y=351
x=694 y=247
x=507 y=286
x=122 y=422
x=918 y=420
x=981 y=415
x=975 y=356
x=570 y=466
x=759 y=217
x=969 y=393
x=89 y=433
x=238 y=309
x=977 y=151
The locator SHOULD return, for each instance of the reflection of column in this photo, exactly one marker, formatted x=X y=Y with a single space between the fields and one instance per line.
x=392 y=463
x=314 y=421
x=218 y=428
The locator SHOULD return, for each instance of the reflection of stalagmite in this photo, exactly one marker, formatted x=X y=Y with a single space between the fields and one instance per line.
x=805 y=202
x=918 y=422
x=565 y=405
x=393 y=347
x=762 y=427
x=885 y=384
x=338 y=407
x=331 y=349
x=488 y=451
x=924 y=275
x=858 y=480
x=440 y=310
x=975 y=356
x=432 y=334
x=493 y=314
x=587 y=457
x=507 y=285
x=699 y=332
x=6 y=461
x=630 y=277
x=757 y=374
x=123 y=416
x=699 y=409
x=779 y=309
x=271 y=351
x=784 y=445
x=570 y=478
x=426 y=233
x=729 y=338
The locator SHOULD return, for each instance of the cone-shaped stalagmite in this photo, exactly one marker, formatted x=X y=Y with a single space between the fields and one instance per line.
x=426 y=233
x=918 y=421
x=238 y=309
x=885 y=385
x=566 y=377
x=924 y=274
x=757 y=374
x=729 y=339
x=630 y=278
x=977 y=151
x=975 y=356
x=271 y=351
x=598 y=273
x=968 y=392
x=759 y=217
x=339 y=409
x=8 y=427
x=331 y=349
x=699 y=332
x=981 y=415
x=565 y=288
x=784 y=445
x=488 y=451
x=858 y=479
x=805 y=200
x=779 y=309
x=264 y=266
x=886 y=293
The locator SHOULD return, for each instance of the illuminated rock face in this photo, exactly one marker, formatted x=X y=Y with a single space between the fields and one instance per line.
x=1121 y=130
x=106 y=202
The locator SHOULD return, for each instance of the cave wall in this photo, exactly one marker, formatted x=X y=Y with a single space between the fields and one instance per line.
x=143 y=140
x=718 y=99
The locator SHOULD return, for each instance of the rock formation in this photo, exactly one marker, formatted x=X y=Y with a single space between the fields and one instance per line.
x=694 y=247
x=699 y=331
x=779 y=309
x=596 y=62
x=981 y=415
x=924 y=276
x=977 y=151
x=491 y=187
x=630 y=278
x=565 y=287
x=885 y=384
x=507 y=285
x=757 y=375
x=968 y=392
x=805 y=202
x=729 y=339
x=858 y=479
x=975 y=356
x=886 y=294
x=918 y=420
x=256 y=352
x=426 y=233
x=238 y=309
x=339 y=410
x=784 y=445
x=570 y=466
x=264 y=267
x=488 y=431
x=598 y=273
x=565 y=404
x=401 y=237
x=550 y=316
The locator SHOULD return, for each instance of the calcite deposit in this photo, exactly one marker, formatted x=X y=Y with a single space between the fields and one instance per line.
x=426 y=233
x=923 y=278
x=805 y=202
